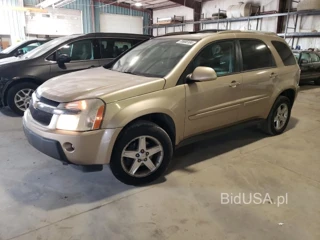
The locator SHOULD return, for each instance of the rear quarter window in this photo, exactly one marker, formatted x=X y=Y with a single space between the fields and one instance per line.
x=285 y=53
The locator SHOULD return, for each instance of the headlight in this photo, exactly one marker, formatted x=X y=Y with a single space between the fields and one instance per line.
x=84 y=115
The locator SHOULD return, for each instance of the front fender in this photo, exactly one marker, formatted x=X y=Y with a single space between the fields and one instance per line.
x=4 y=83
x=169 y=101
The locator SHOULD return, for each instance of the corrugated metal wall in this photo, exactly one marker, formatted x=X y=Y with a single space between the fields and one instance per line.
x=102 y=8
x=13 y=19
x=86 y=7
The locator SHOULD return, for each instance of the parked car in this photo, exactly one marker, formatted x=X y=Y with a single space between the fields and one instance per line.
x=57 y=57
x=162 y=94
x=22 y=48
x=309 y=62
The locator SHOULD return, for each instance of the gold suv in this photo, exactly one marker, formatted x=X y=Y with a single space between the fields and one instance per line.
x=167 y=91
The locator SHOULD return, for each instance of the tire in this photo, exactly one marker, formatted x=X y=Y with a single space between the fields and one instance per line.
x=27 y=88
x=317 y=81
x=269 y=125
x=128 y=140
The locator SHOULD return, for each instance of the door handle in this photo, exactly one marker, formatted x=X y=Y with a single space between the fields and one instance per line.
x=234 y=84
x=273 y=75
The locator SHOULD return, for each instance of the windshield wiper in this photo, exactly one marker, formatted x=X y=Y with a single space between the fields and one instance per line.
x=128 y=72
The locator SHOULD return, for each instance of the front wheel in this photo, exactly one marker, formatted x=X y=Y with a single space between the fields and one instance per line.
x=279 y=116
x=141 y=154
x=19 y=97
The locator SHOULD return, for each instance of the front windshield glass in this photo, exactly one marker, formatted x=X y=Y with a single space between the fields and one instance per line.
x=12 y=47
x=154 y=58
x=37 y=52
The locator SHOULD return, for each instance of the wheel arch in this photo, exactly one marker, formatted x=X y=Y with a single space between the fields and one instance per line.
x=163 y=120
x=289 y=93
x=16 y=82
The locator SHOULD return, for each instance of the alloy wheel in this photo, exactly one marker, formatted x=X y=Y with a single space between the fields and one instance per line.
x=281 y=116
x=142 y=156
x=22 y=98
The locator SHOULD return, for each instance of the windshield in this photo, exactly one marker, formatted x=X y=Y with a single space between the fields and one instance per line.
x=37 y=52
x=154 y=58
x=13 y=47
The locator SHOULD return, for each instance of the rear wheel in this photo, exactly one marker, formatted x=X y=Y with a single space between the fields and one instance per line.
x=141 y=154
x=19 y=97
x=279 y=116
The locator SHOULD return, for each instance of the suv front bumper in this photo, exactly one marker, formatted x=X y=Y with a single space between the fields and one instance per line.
x=89 y=148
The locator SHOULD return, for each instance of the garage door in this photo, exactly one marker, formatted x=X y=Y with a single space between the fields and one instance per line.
x=55 y=22
x=121 y=23
x=4 y=26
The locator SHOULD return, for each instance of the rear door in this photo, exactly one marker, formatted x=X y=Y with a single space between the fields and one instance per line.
x=259 y=71
x=110 y=48
x=84 y=54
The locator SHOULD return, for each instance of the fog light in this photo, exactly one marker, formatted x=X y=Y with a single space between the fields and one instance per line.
x=68 y=146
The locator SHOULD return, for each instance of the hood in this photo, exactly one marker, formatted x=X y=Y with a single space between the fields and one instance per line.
x=7 y=60
x=100 y=83
x=3 y=55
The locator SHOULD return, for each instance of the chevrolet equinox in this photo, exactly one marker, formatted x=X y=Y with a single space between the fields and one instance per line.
x=133 y=113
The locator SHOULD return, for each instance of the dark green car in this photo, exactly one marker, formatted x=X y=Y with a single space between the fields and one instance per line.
x=309 y=63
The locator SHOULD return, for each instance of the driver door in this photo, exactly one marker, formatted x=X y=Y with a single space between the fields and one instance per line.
x=84 y=54
x=214 y=104
x=305 y=66
x=315 y=65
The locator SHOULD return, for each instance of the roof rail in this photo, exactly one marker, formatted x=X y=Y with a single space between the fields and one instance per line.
x=194 y=32
x=247 y=31
x=176 y=33
x=211 y=30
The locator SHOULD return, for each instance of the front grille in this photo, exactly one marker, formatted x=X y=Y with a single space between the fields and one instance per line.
x=41 y=116
x=49 y=102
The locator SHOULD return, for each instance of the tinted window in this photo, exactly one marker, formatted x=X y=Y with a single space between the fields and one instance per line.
x=111 y=48
x=255 y=55
x=220 y=56
x=314 y=57
x=284 y=52
x=305 y=56
x=30 y=47
x=78 y=51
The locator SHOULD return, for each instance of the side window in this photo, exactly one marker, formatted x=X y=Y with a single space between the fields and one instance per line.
x=78 y=51
x=30 y=47
x=219 y=55
x=314 y=57
x=111 y=48
x=305 y=56
x=285 y=53
x=256 y=55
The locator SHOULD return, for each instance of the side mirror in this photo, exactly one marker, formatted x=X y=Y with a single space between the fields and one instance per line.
x=203 y=74
x=63 y=58
x=19 y=52
x=303 y=61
